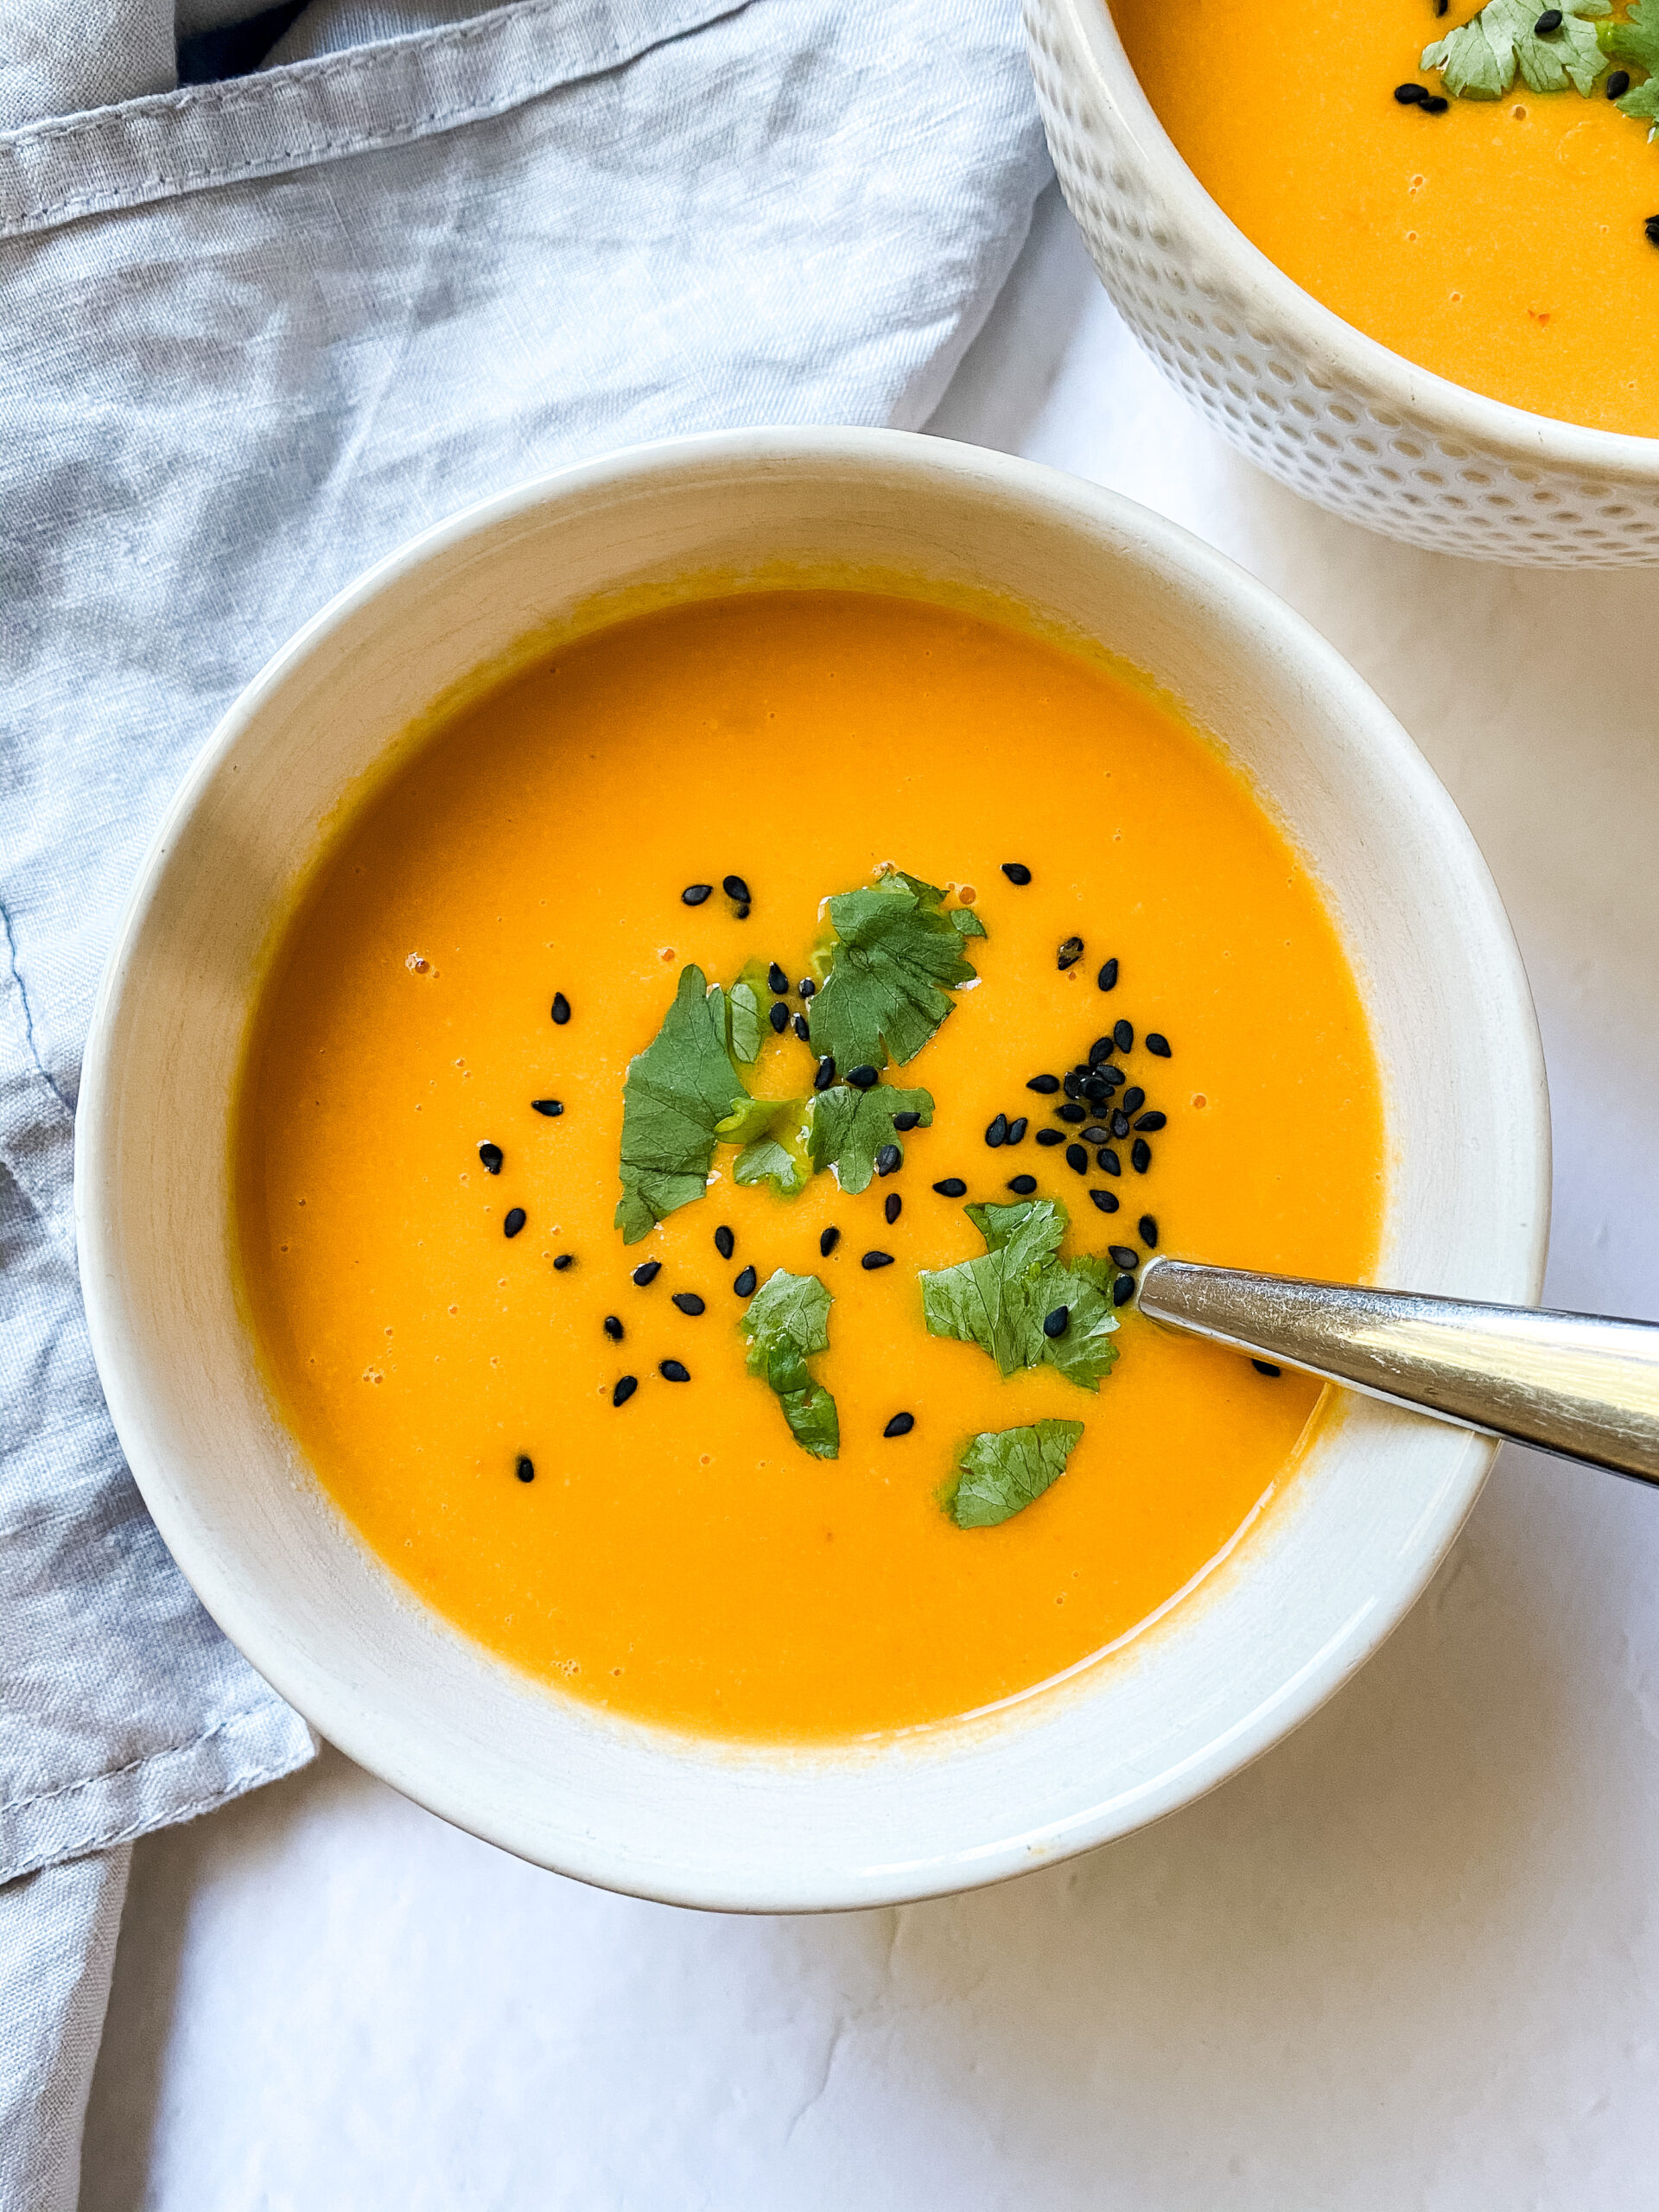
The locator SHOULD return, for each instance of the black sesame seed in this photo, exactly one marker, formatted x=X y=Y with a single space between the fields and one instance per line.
x=564 y=1261
x=1094 y=1133
x=551 y=1107
x=1110 y=1077
x=515 y=1221
x=1108 y=977
x=492 y=1155
x=776 y=979
x=1157 y=1044
x=725 y=1242
x=1022 y=1185
x=1016 y=871
x=1071 y=1083
x=1045 y=1085
x=647 y=1272
x=1051 y=1136
x=625 y=1387
x=1152 y=1122
x=744 y=1284
x=1056 y=1323
x=1140 y=1155
x=614 y=1328
x=735 y=888
x=873 y=1260
x=803 y=1029
x=695 y=894
x=829 y=1241
x=1017 y=1130
x=806 y=988
x=1122 y=1289
x=1435 y=104
x=996 y=1132
x=1441 y=6
x=1070 y=953
x=742 y=913
x=826 y=1074
x=905 y=1120
x=673 y=1370
x=1099 y=1053
x=1120 y=1123
x=1148 y=1228
x=889 y=1159
x=1077 y=1159
x=1265 y=1367
x=1073 y=1113
x=1096 y=1089
x=1124 y=1036
x=1411 y=95
x=561 y=1008
x=1108 y=1161
x=1650 y=230
x=779 y=1017
x=525 y=1468
x=900 y=1424
x=1106 y=1200
x=1548 y=22
x=892 y=1207
x=688 y=1301
x=864 y=1078
x=1134 y=1099
x=1124 y=1257
x=952 y=1187
x=1618 y=84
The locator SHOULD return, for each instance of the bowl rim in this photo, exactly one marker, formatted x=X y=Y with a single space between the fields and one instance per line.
x=308 y=1680
x=1381 y=375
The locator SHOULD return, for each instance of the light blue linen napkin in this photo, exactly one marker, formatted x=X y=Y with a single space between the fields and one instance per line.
x=258 y=332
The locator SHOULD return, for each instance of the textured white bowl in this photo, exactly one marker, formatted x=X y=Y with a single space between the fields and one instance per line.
x=1328 y=411
x=1299 y=1606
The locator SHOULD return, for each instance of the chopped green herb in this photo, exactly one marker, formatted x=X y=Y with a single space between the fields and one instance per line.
x=678 y=1092
x=1637 y=39
x=740 y=1012
x=1480 y=59
x=999 y=1301
x=787 y=1322
x=850 y=1127
x=782 y=1154
x=1003 y=1470
x=895 y=957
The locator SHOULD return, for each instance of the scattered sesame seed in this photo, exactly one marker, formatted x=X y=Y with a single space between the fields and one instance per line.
x=735 y=888
x=695 y=894
x=1548 y=22
x=1077 y=1159
x=551 y=1107
x=1106 y=1200
x=892 y=1207
x=1108 y=977
x=744 y=1284
x=614 y=1328
x=1152 y=1122
x=1110 y=1077
x=1124 y=1257
x=1157 y=1044
x=1056 y=1323
x=1650 y=230
x=900 y=1424
x=806 y=988
x=515 y=1221
x=952 y=1187
x=1120 y=1123
x=776 y=979
x=1124 y=1036
x=1096 y=1134
x=625 y=1387
x=829 y=1241
x=873 y=1260
x=1023 y=1185
x=647 y=1272
x=1436 y=104
x=688 y=1301
x=673 y=1370
x=1016 y=872
x=1044 y=1085
x=564 y=1260
x=1265 y=1367
x=1051 y=1136
x=1148 y=1228
x=779 y=1017
x=1071 y=1083
x=1070 y=953
x=1122 y=1289
x=803 y=1029
x=725 y=1242
x=1140 y=1155
x=1410 y=95
x=1017 y=1130
x=492 y=1155
x=525 y=1468
x=1618 y=84
x=996 y=1132
x=864 y=1078
x=1108 y=1161
x=1073 y=1112
x=561 y=1008
x=1099 y=1053
x=905 y=1120
x=889 y=1159
x=826 y=1074
x=742 y=913
x=1134 y=1099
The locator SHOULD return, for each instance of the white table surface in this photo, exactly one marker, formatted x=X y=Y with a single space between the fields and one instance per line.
x=1410 y=1959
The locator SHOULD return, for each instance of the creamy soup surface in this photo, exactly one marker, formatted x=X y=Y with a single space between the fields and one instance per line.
x=679 y=1556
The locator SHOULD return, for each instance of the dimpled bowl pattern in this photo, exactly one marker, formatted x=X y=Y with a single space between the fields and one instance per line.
x=1328 y=411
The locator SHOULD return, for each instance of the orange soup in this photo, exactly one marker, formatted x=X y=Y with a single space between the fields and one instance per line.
x=1500 y=241
x=1076 y=975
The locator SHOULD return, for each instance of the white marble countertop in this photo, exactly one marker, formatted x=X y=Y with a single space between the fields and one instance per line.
x=1410 y=1959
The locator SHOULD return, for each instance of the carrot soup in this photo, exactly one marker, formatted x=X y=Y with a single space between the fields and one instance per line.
x=1473 y=189
x=700 y=1128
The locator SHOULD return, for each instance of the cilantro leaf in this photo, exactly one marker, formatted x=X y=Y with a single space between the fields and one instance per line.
x=893 y=961
x=678 y=1091
x=850 y=1127
x=1003 y=1470
x=1479 y=60
x=999 y=1301
x=786 y=1323
x=738 y=1010
x=780 y=1153
x=1637 y=39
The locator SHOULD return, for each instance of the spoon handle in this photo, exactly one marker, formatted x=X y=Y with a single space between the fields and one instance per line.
x=1578 y=1384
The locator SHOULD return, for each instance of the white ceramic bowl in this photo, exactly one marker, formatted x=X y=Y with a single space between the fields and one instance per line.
x=1299 y=1604
x=1328 y=411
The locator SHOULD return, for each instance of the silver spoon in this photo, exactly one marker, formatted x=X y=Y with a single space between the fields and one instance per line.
x=1580 y=1385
